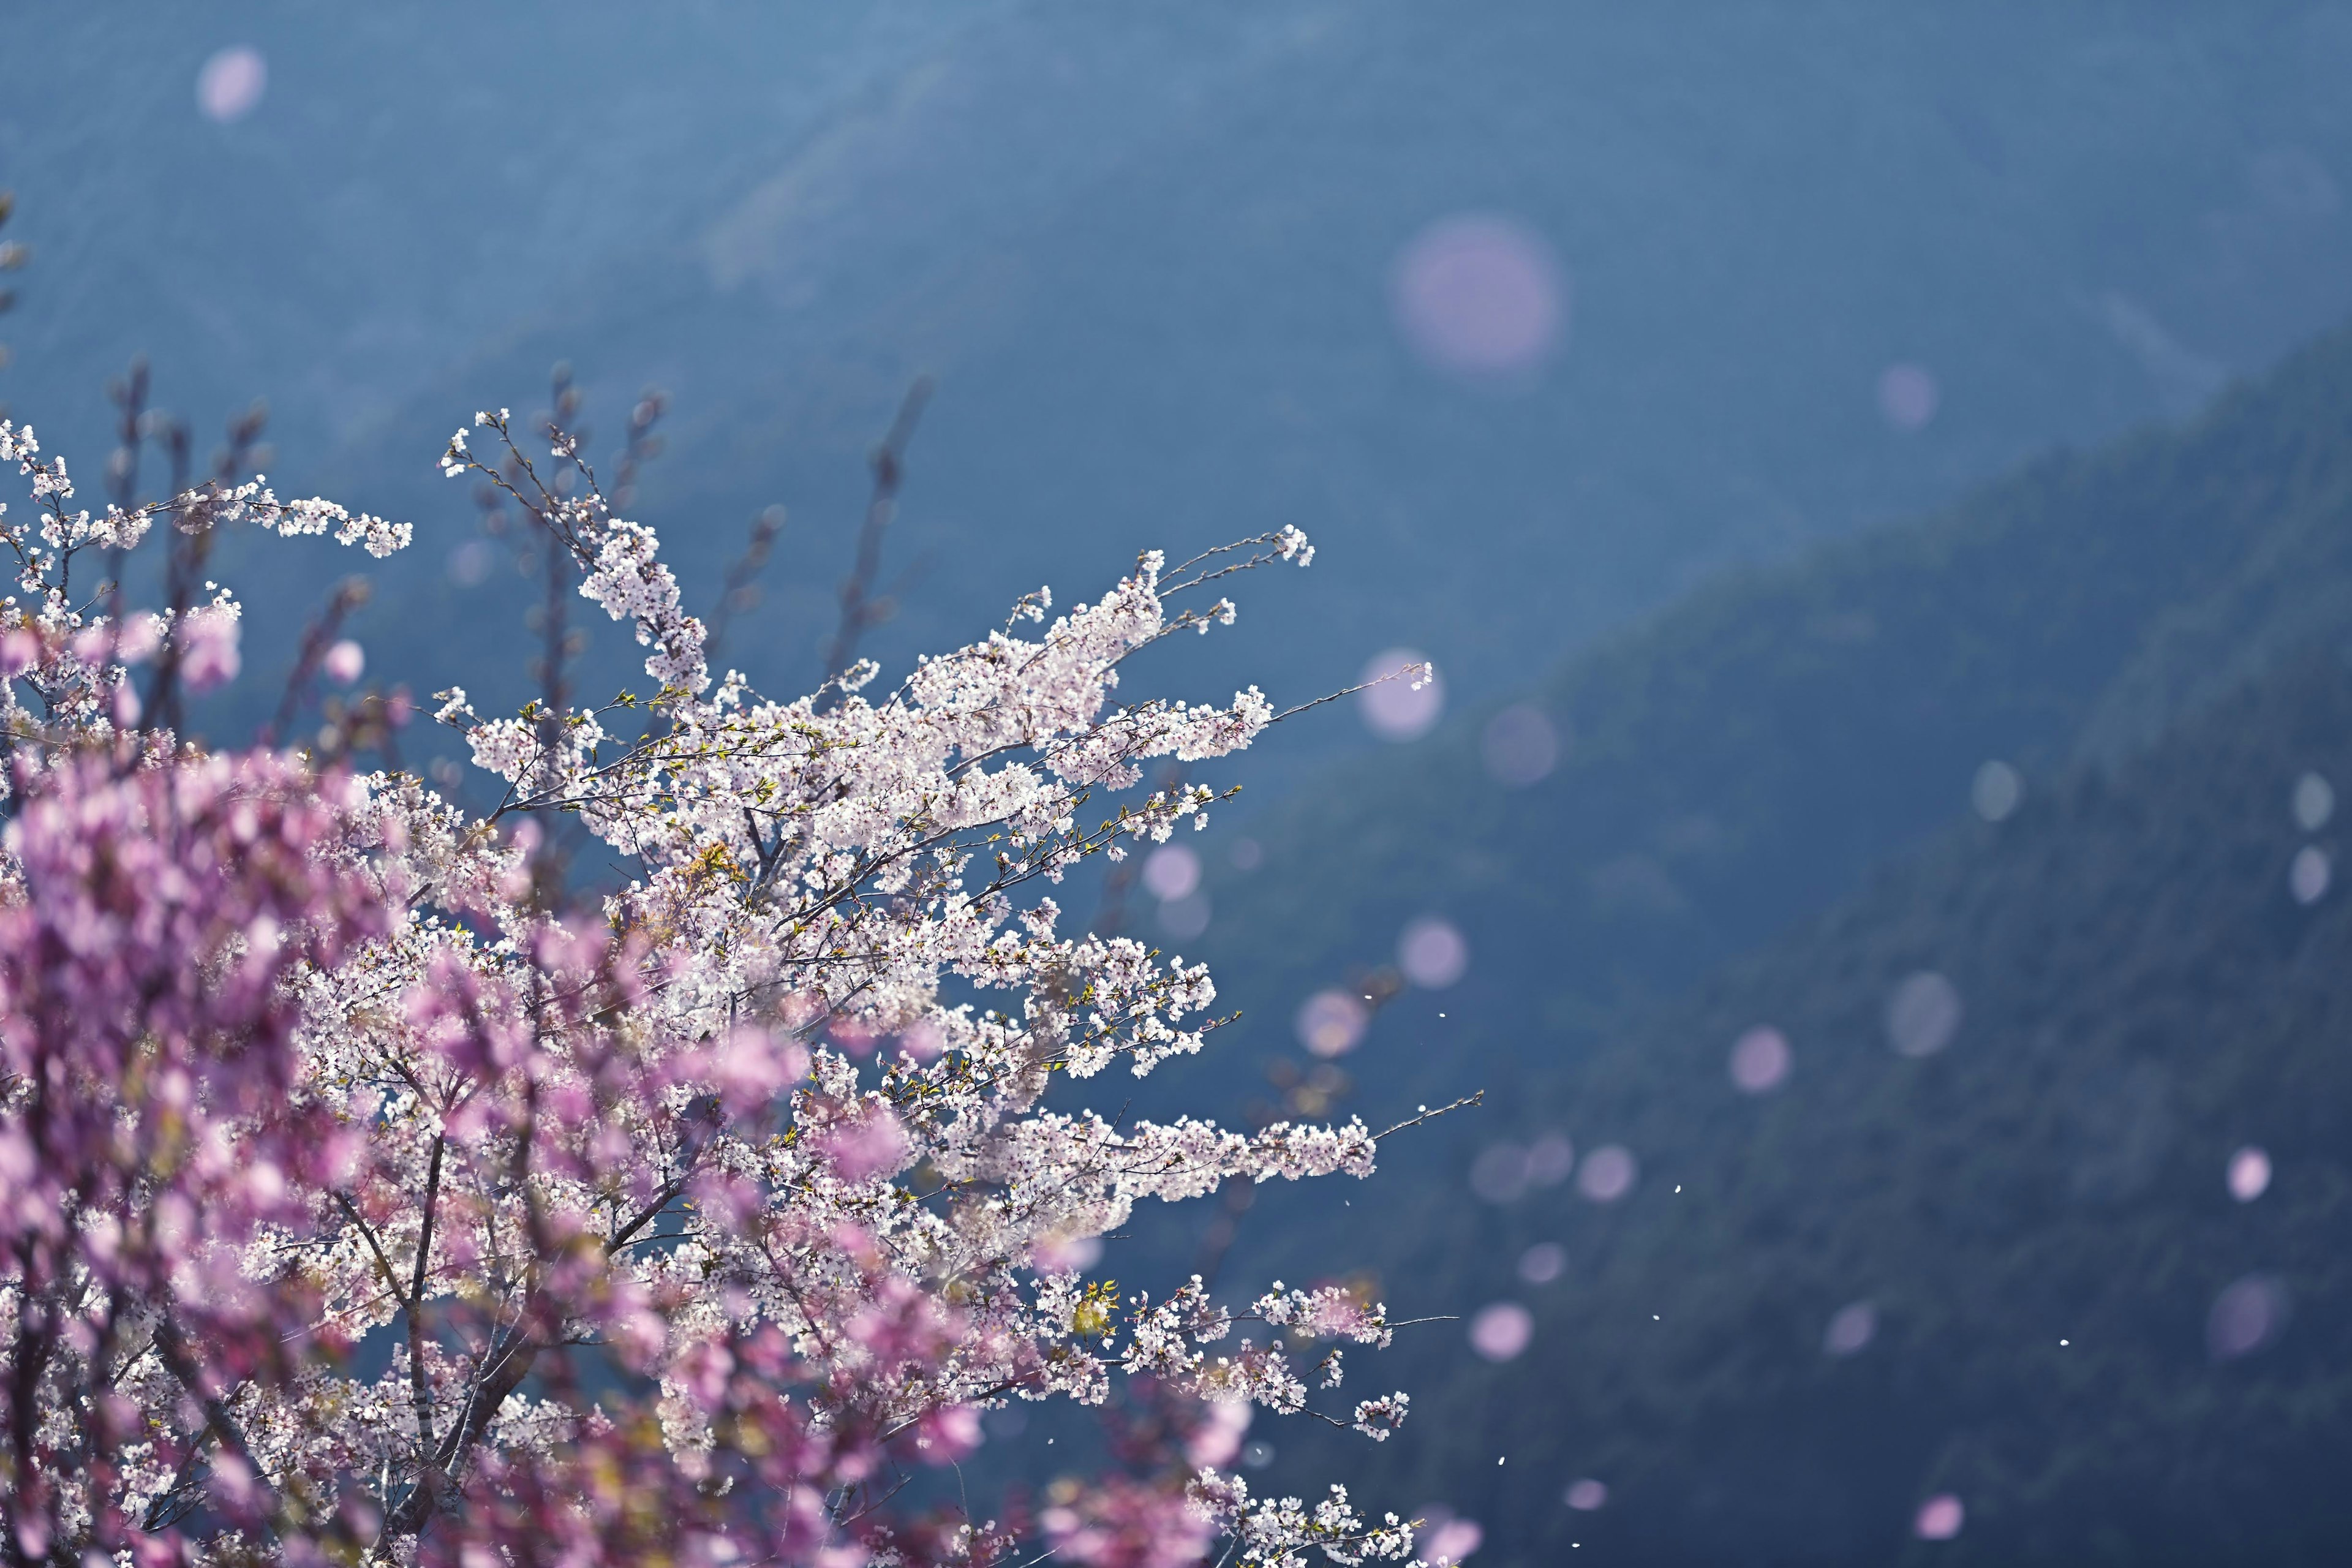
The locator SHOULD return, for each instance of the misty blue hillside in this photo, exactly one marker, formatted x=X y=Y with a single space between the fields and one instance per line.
x=1857 y=1298
x=2139 y=993
x=1805 y=271
x=1742 y=759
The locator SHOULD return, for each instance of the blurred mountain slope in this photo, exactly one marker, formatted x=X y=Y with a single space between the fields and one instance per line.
x=1754 y=825
x=1149 y=259
x=1739 y=760
x=2141 y=997
x=1150 y=252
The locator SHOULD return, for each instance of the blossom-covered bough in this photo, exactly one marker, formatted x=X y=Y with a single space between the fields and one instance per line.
x=360 y=1200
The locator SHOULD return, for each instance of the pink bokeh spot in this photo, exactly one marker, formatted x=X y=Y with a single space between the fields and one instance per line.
x=1521 y=746
x=1586 y=1495
x=208 y=651
x=1543 y=1263
x=343 y=663
x=231 y=83
x=1480 y=295
x=1501 y=1331
x=1499 y=1174
x=2250 y=1173
x=1760 y=1059
x=1218 y=1439
x=1907 y=396
x=1172 y=871
x=2308 y=876
x=1432 y=953
x=1608 y=1174
x=1923 y=1015
x=1400 y=707
x=1065 y=1254
x=1852 y=1327
x=1551 y=1158
x=1448 y=1540
x=1939 y=1518
x=1331 y=1023
x=2247 y=1315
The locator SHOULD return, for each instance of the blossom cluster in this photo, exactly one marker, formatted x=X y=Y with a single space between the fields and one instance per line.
x=362 y=1201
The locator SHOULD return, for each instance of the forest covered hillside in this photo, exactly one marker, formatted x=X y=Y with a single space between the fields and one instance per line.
x=1740 y=760
x=1761 y=818
x=2011 y=1269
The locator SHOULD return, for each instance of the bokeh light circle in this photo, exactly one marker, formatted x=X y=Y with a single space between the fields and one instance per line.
x=1171 y=871
x=1185 y=918
x=1331 y=1023
x=1852 y=1327
x=344 y=662
x=2249 y=1313
x=1939 y=1518
x=1551 y=1158
x=230 y=84
x=1217 y=1440
x=1066 y=1254
x=1908 y=397
x=2314 y=801
x=1923 y=1015
x=1499 y=1174
x=1501 y=1331
x=1521 y=746
x=1480 y=295
x=1446 y=1538
x=2250 y=1173
x=470 y=564
x=1585 y=1494
x=1432 y=953
x=1543 y=1263
x=1608 y=1173
x=1400 y=707
x=2308 y=875
x=1996 y=790
x=1760 y=1059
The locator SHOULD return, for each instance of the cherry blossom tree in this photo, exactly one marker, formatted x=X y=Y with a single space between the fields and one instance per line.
x=363 y=1195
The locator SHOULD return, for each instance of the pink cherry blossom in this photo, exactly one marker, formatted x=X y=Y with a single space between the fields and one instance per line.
x=790 y=1125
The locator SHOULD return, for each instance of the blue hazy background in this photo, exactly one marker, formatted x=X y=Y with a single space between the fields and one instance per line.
x=1873 y=481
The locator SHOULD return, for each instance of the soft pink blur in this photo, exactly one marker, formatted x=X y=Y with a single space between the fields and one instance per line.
x=2250 y=1173
x=1519 y=746
x=1543 y=1263
x=208 y=652
x=1331 y=1023
x=1218 y=1438
x=2248 y=1314
x=2308 y=876
x=1852 y=1327
x=1443 y=1537
x=1400 y=707
x=1939 y=1518
x=1501 y=1331
x=1586 y=1495
x=1499 y=1174
x=343 y=662
x=1551 y=1159
x=1907 y=396
x=231 y=83
x=1609 y=1174
x=1760 y=1059
x=1480 y=296
x=1066 y=1254
x=1432 y=953
x=1171 y=871
x=1923 y=1015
